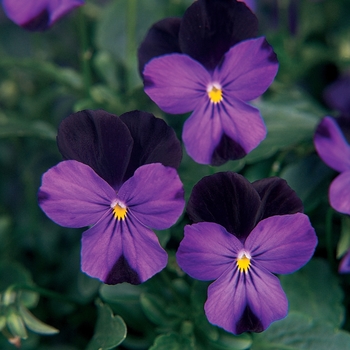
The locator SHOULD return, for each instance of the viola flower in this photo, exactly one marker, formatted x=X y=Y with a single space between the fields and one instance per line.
x=115 y=182
x=334 y=150
x=37 y=15
x=242 y=235
x=223 y=125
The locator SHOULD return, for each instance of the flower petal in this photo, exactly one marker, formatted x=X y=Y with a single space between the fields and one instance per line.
x=282 y=244
x=265 y=298
x=175 y=82
x=242 y=123
x=121 y=251
x=337 y=94
x=73 y=195
x=248 y=69
x=344 y=266
x=202 y=132
x=331 y=145
x=154 y=142
x=227 y=199
x=98 y=139
x=210 y=27
x=207 y=250
x=38 y=14
x=154 y=195
x=277 y=197
x=226 y=300
x=339 y=193
x=161 y=39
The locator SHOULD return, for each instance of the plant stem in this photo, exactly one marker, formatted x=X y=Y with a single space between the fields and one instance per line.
x=329 y=219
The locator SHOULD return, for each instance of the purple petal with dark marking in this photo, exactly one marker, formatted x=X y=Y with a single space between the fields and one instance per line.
x=98 y=139
x=331 y=145
x=161 y=39
x=38 y=14
x=344 y=266
x=339 y=193
x=154 y=195
x=73 y=195
x=282 y=244
x=247 y=70
x=210 y=27
x=277 y=197
x=207 y=251
x=121 y=251
x=227 y=199
x=176 y=83
x=154 y=142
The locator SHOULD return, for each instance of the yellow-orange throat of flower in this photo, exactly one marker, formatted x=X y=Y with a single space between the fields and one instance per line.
x=243 y=263
x=215 y=94
x=120 y=211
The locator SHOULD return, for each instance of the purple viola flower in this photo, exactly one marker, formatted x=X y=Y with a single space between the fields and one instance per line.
x=38 y=15
x=223 y=125
x=250 y=3
x=242 y=235
x=344 y=266
x=334 y=150
x=120 y=179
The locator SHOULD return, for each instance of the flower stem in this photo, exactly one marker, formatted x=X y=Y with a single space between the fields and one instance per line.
x=329 y=220
x=131 y=22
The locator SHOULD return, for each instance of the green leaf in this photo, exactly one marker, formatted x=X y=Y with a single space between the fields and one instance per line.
x=315 y=291
x=15 y=323
x=110 y=330
x=172 y=341
x=13 y=273
x=155 y=309
x=35 y=324
x=344 y=241
x=289 y=119
x=300 y=332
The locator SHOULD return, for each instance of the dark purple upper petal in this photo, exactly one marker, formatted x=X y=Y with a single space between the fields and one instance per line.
x=210 y=27
x=38 y=15
x=98 y=139
x=154 y=142
x=161 y=39
x=227 y=199
x=277 y=198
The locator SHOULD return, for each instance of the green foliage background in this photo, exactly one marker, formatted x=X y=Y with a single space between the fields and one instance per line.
x=88 y=60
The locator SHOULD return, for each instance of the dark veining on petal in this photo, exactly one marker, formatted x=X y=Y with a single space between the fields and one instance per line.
x=122 y=272
x=39 y=22
x=323 y=131
x=42 y=197
x=272 y=56
x=249 y=322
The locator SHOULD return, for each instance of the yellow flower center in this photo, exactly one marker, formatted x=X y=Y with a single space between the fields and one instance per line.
x=215 y=94
x=119 y=210
x=243 y=263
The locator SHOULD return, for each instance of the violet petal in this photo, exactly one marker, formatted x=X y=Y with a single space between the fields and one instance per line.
x=282 y=244
x=154 y=195
x=98 y=139
x=344 y=266
x=248 y=69
x=331 y=145
x=339 y=193
x=176 y=83
x=73 y=195
x=227 y=199
x=117 y=251
x=154 y=142
x=210 y=27
x=207 y=250
x=161 y=39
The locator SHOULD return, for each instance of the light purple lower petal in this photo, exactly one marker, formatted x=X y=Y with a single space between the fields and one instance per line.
x=226 y=301
x=265 y=296
x=331 y=145
x=207 y=250
x=121 y=251
x=73 y=195
x=154 y=195
x=282 y=243
x=175 y=82
x=344 y=266
x=202 y=131
x=339 y=193
x=242 y=123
